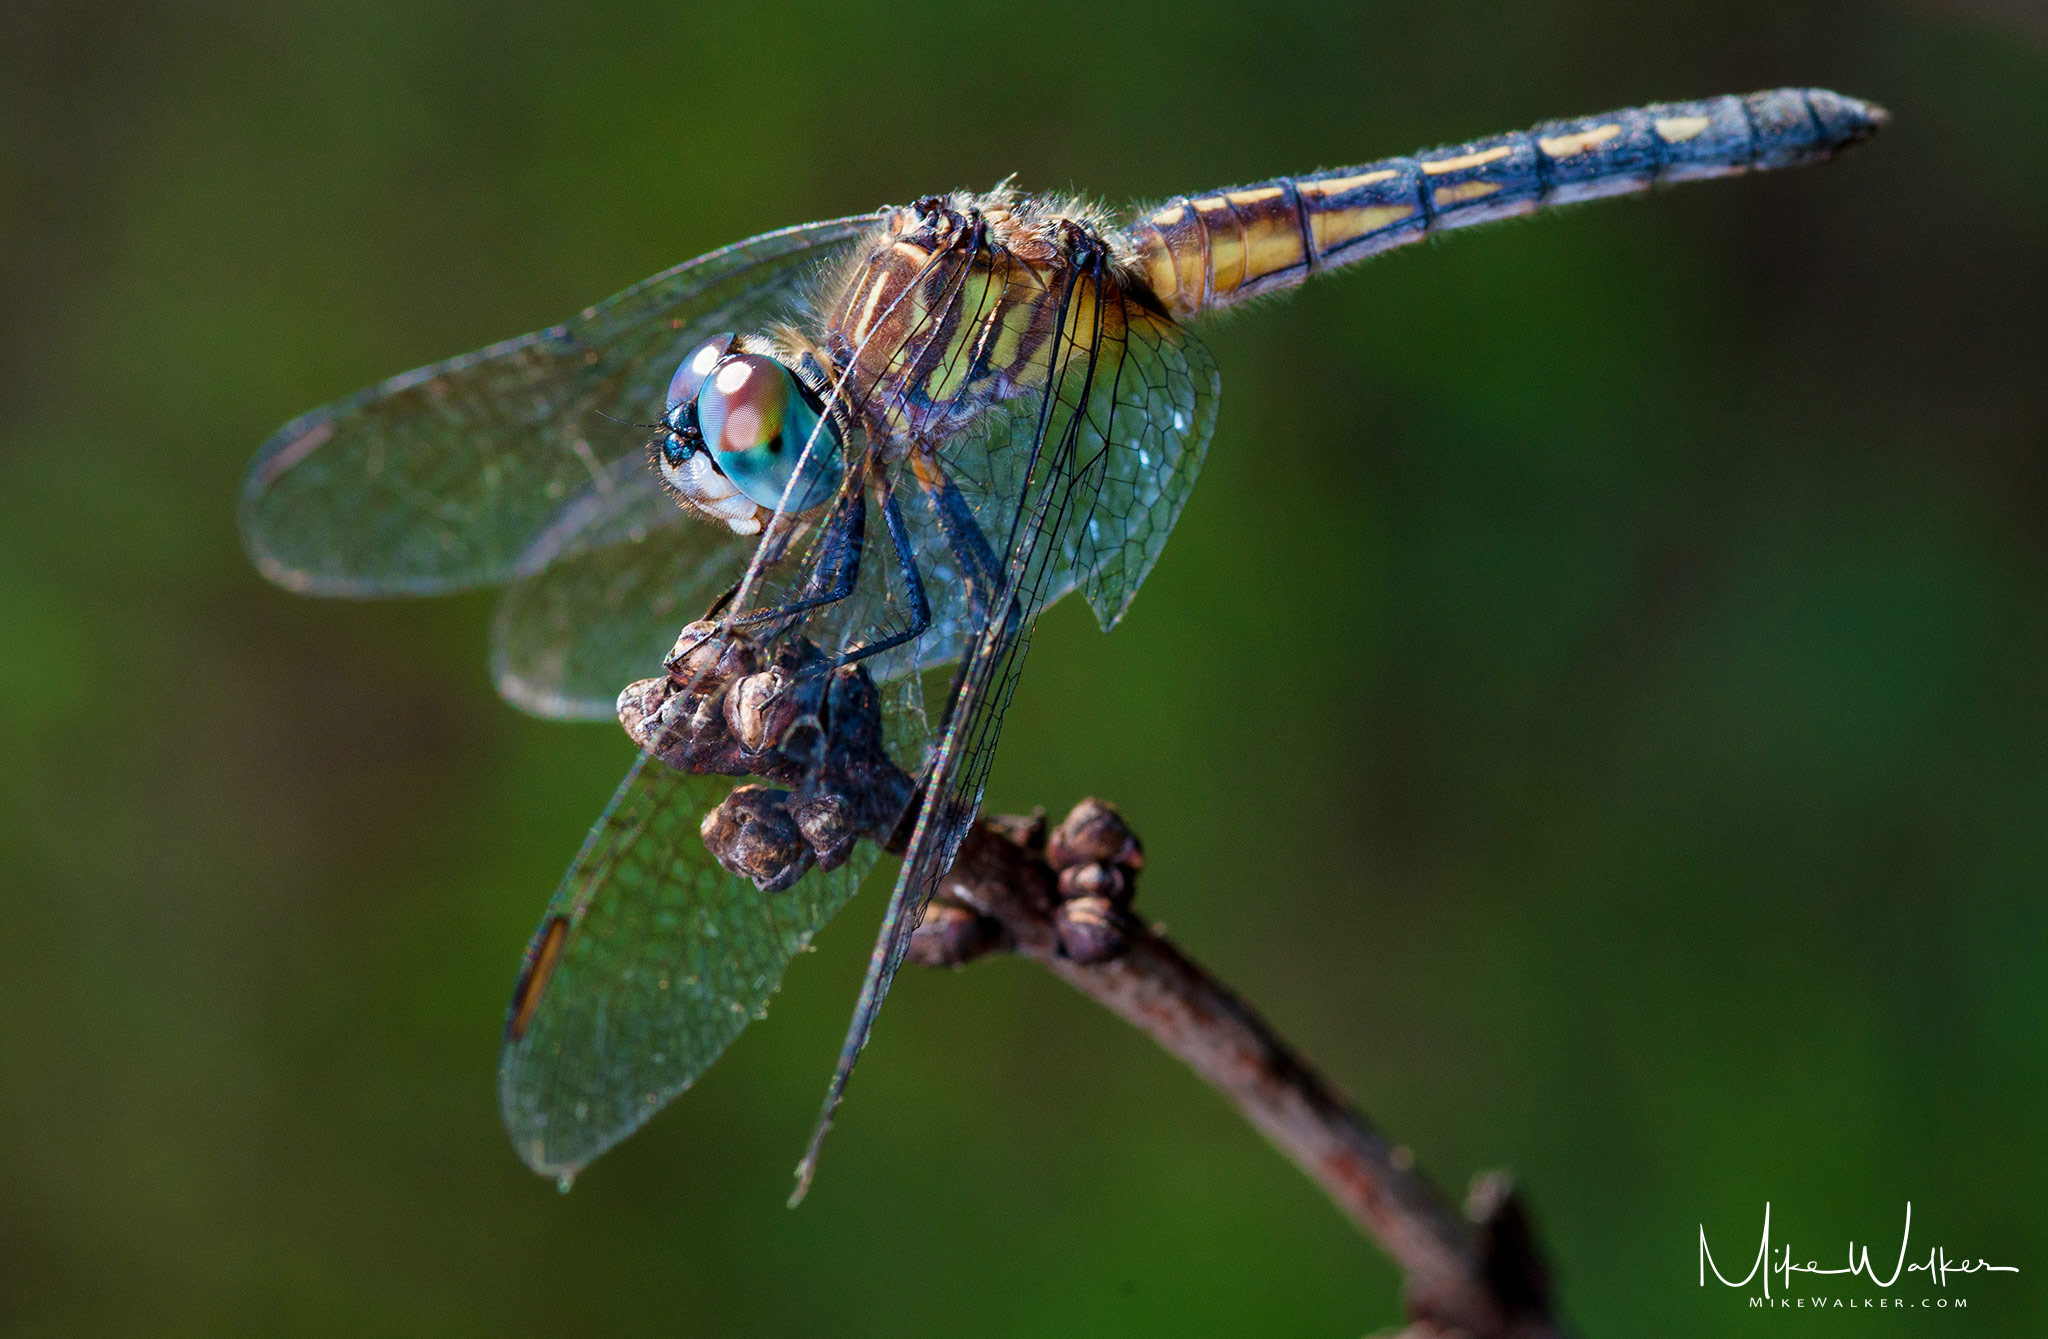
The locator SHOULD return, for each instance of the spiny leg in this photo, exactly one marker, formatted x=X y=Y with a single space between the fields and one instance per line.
x=964 y=537
x=833 y=577
x=837 y=569
x=906 y=567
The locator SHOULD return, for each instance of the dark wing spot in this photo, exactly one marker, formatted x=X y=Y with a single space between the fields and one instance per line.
x=541 y=956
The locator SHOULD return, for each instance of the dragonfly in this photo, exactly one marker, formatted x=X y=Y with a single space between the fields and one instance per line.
x=837 y=456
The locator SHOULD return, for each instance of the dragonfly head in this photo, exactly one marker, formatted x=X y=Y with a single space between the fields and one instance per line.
x=742 y=432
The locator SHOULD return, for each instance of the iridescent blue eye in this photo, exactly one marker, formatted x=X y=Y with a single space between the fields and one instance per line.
x=689 y=377
x=757 y=422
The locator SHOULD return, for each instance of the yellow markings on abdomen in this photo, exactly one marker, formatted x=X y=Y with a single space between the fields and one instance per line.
x=1679 y=129
x=1462 y=191
x=1258 y=196
x=1273 y=244
x=1205 y=251
x=1480 y=159
x=1174 y=273
x=1333 y=228
x=1345 y=185
x=1197 y=259
x=1564 y=146
x=1226 y=243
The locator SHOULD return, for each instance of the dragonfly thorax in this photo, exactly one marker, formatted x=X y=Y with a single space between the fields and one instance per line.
x=955 y=305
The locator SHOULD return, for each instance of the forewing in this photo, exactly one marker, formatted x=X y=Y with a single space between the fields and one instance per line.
x=441 y=479
x=650 y=960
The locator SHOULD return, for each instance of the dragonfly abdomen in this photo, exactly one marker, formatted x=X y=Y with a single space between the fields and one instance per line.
x=1209 y=251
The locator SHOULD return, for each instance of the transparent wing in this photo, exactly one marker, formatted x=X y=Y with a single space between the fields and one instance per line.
x=617 y=574
x=442 y=478
x=1058 y=451
x=1165 y=401
x=649 y=961
x=977 y=465
x=1166 y=396
x=568 y=639
x=652 y=957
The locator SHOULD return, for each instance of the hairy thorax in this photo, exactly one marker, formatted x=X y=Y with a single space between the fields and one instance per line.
x=962 y=302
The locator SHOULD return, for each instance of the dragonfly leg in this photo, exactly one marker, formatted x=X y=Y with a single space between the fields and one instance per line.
x=837 y=569
x=969 y=546
x=906 y=567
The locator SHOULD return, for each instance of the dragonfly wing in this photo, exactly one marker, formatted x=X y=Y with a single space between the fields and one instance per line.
x=613 y=578
x=1165 y=410
x=441 y=479
x=1058 y=440
x=650 y=960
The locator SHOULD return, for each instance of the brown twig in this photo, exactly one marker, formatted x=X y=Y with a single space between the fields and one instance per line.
x=1063 y=901
x=788 y=715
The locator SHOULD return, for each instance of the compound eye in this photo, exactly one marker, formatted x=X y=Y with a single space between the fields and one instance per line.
x=758 y=424
x=689 y=377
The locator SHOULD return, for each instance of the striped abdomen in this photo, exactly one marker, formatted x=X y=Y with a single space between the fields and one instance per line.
x=1213 y=250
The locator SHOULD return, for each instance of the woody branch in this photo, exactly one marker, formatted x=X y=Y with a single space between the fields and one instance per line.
x=814 y=733
x=1063 y=900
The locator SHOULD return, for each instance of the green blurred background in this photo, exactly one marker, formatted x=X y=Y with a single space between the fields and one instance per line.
x=1594 y=703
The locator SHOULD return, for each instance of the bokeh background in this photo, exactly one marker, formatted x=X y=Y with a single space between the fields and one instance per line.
x=1596 y=701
